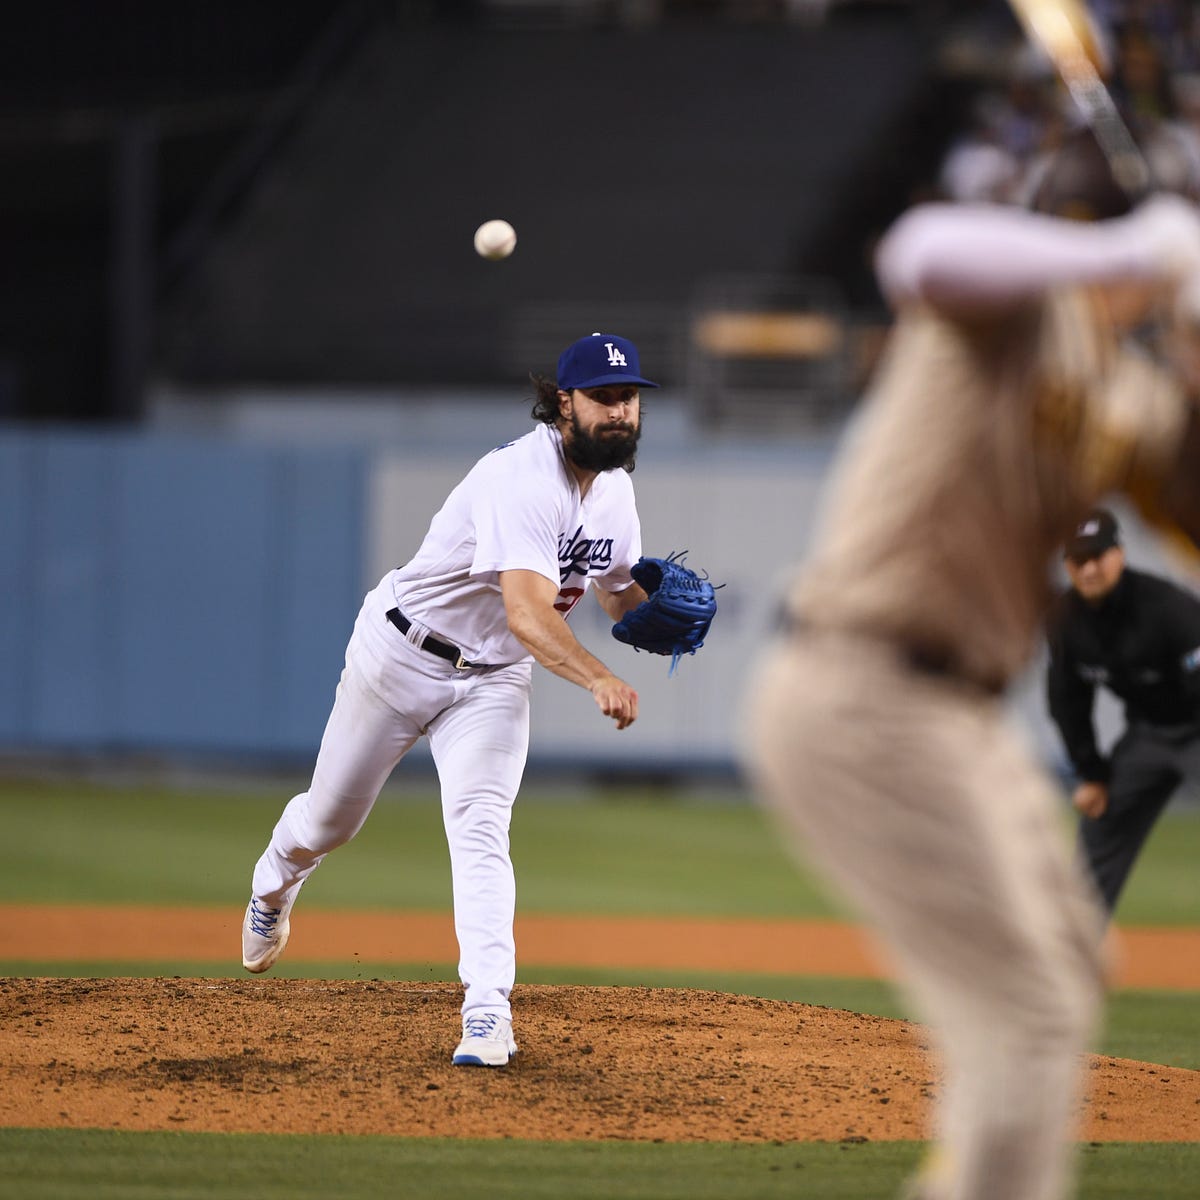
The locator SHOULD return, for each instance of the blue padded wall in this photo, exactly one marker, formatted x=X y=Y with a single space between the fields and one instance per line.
x=163 y=594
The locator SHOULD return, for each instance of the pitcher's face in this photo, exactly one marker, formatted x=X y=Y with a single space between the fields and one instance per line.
x=603 y=425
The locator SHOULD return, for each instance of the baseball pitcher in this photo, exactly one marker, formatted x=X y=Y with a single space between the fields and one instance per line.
x=444 y=648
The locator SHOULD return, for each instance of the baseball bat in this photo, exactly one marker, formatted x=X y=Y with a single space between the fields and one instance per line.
x=1064 y=30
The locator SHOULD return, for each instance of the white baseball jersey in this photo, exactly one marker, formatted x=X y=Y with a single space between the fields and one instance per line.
x=519 y=508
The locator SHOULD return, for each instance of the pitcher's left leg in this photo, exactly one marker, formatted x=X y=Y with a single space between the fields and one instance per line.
x=364 y=739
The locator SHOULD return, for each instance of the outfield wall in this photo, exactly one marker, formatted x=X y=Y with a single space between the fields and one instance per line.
x=170 y=595
x=167 y=595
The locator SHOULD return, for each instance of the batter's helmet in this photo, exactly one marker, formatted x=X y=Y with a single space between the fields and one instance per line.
x=1075 y=181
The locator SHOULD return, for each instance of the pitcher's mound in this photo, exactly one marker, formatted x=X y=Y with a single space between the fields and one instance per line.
x=652 y=1064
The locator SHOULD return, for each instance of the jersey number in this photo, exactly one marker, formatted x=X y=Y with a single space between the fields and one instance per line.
x=567 y=599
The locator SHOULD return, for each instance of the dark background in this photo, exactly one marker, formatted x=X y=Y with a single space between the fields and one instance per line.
x=224 y=192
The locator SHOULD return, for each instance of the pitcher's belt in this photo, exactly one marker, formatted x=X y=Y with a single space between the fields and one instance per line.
x=452 y=654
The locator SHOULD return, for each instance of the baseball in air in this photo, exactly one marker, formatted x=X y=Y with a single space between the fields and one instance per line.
x=495 y=239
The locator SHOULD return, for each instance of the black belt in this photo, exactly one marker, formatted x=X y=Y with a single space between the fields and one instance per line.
x=452 y=654
x=936 y=661
x=942 y=664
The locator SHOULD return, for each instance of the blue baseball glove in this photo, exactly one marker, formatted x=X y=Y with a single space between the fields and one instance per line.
x=675 y=616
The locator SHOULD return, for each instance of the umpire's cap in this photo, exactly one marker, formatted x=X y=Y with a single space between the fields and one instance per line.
x=599 y=359
x=1095 y=534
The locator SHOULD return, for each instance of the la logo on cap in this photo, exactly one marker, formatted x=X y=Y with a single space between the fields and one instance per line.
x=598 y=360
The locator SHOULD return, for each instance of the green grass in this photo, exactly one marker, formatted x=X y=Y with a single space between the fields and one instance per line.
x=626 y=851
x=101 y=1165
x=1157 y=1027
x=621 y=853
x=94 y=1165
x=640 y=853
x=1162 y=889
x=617 y=852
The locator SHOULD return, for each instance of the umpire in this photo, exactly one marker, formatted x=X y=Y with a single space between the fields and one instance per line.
x=1139 y=636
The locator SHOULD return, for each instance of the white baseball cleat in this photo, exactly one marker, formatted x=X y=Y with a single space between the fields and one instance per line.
x=487 y=1041
x=265 y=933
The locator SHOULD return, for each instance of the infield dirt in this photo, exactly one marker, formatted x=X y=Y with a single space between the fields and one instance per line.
x=648 y=1064
x=367 y=1056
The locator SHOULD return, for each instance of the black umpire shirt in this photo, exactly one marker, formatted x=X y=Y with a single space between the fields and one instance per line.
x=1142 y=642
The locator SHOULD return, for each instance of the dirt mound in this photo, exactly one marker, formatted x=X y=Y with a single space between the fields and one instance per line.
x=374 y=1057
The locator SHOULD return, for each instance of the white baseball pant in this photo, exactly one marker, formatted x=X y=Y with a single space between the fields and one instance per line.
x=477 y=722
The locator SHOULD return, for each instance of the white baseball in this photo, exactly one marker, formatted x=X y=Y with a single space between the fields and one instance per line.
x=495 y=239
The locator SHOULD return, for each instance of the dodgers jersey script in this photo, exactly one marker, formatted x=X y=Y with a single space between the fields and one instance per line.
x=517 y=509
x=530 y=528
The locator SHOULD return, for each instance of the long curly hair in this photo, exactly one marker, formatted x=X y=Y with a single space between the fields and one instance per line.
x=545 y=399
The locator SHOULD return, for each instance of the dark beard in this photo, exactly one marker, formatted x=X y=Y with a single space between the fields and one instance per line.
x=602 y=451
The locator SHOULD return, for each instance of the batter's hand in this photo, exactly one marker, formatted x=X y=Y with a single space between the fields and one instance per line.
x=1090 y=799
x=616 y=699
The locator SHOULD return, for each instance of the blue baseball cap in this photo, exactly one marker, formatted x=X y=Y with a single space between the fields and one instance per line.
x=599 y=359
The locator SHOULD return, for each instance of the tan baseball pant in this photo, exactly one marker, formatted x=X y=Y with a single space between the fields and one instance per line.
x=916 y=798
